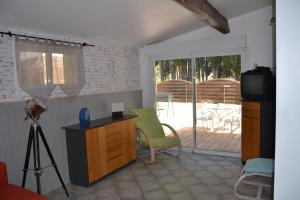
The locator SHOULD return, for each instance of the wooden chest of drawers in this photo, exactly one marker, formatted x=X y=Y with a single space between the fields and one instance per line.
x=105 y=146
x=258 y=129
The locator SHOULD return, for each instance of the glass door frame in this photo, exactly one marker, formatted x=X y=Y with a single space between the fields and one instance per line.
x=240 y=51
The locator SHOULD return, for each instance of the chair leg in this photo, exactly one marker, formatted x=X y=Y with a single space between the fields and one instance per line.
x=179 y=150
x=260 y=187
x=152 y=155
x=145 y=158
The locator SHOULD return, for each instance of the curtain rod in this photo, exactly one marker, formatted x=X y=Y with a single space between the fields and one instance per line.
x=10 y=34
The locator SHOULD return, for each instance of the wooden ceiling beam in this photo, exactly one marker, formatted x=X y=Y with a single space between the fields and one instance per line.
x=207 y=13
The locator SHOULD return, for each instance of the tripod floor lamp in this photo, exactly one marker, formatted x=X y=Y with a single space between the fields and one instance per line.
x=34 y=108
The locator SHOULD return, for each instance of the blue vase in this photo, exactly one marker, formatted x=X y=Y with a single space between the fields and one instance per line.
x=84 y=117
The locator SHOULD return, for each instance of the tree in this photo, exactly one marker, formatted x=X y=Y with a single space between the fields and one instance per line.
x=206 y=68
x=216 y=64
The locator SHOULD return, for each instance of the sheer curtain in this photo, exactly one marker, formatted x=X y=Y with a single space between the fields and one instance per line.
x=42 y=65
x=71 y=77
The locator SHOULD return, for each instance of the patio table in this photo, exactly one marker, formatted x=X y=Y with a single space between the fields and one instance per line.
x=221 y=110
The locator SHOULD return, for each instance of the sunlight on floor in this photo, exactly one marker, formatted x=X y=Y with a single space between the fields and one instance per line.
x=216 y=135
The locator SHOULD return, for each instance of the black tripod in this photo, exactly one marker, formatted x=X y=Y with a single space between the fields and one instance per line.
x=33 y=140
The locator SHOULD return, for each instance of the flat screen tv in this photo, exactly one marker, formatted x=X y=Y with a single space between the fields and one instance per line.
x=257 y=85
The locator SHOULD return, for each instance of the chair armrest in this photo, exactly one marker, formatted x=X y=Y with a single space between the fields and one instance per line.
x=3 y=174
x=171 y=128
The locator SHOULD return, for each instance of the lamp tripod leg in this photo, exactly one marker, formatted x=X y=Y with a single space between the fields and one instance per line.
x=27 y=158
x=39 y=129
x=36 y=158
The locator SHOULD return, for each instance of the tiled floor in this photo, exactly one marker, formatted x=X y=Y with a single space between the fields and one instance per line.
x=193 y=176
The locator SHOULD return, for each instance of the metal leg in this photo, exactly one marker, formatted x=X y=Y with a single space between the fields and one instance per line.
x=39 y=129
x=27 y=158
x=36 y=159
x=172 y=107
x=168 y=108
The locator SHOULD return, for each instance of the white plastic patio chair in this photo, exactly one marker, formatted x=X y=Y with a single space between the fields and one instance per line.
x=233 y=118
x=204 y=114
x=255 y=167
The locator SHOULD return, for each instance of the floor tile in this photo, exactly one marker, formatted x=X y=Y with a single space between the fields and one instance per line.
x=221 y=189
x=230 y=181
x=145 y=178
x=214 y=168
x=194 y=176
x=180 y=173
x=180 y=196
x=156 y=195
x=166 y=179
x=155 y=166
x=193 y=167
x=160 y=172
x=207 y=196
x=224 y=174
x=107 y=193
x=202 y=174
x=206 y=163
x=173 y=187
x=186 y=161
x=229 y=197
x=211 y=181
x=174 y=166
x=149 y=186
x=188 y=180
x=198 y=189
x=140 y=171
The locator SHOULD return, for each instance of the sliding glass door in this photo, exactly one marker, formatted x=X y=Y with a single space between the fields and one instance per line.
x=200 y=98
x=218 y=109
x=173 y=99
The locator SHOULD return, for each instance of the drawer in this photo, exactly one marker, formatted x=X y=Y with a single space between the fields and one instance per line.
x=251 y=105
x=112 y=138
x=114 y=128
x=113 y=143
x=250 y=113
x=114 y=152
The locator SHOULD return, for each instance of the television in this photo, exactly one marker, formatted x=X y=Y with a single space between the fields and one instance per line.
x=258 y=85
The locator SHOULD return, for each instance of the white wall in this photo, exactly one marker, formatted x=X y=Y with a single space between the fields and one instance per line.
x=112 y=75
x=108 y=68
x=255 y=25
x=251 y=35
x=287 y=161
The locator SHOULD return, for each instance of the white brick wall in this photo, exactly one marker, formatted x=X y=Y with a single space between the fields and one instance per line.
x=108 y=68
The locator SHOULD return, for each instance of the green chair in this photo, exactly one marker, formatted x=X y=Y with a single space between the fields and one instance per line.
x=151 y=133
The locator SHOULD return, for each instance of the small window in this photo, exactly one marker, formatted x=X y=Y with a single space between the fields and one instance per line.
x=58 y=68
x=42 y=65
x=33 y=62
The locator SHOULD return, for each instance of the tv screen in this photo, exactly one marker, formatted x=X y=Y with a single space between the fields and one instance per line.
x=253 y=84
x=257 y=85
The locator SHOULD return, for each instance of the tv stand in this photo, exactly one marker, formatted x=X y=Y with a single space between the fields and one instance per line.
x=258 y=129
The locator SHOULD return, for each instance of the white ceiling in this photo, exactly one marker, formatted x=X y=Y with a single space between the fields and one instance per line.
x=134 y=22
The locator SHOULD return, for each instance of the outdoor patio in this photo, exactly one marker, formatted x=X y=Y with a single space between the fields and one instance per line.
x=212 y=135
